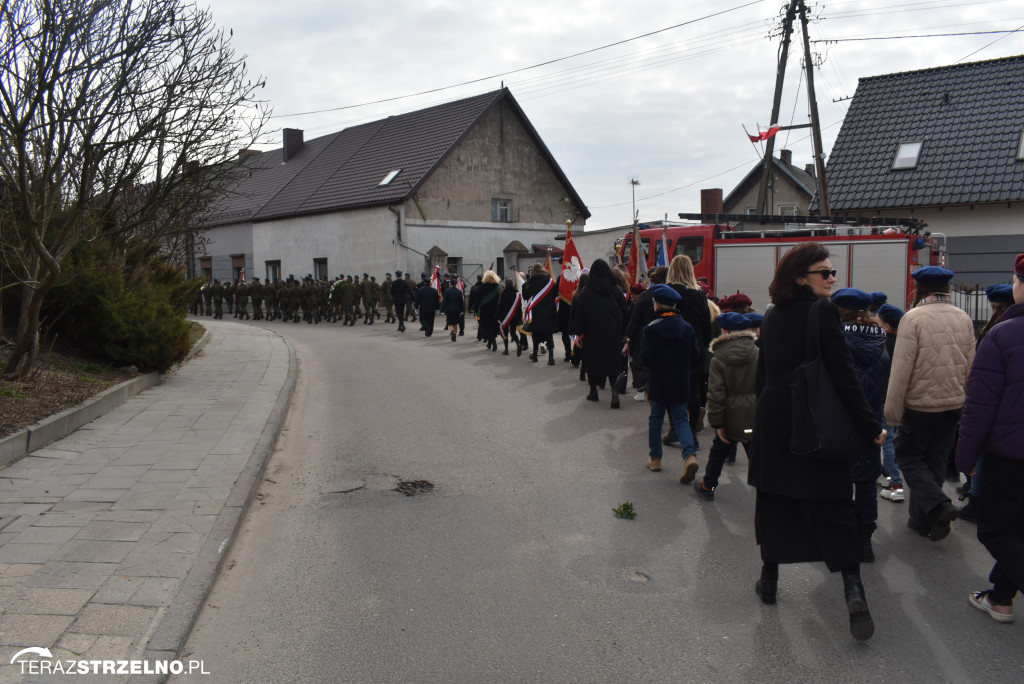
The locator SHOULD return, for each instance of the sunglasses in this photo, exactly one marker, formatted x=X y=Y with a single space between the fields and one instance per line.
x=825 y=273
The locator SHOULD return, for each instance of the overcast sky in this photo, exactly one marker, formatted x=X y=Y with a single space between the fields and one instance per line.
x=665 y=109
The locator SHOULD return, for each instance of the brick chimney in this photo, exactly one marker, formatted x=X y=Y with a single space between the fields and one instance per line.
x=292 y=142
x=786 y=156
x=711 y=201
x=809 y=169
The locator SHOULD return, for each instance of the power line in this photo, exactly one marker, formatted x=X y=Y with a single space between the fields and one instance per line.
x=515 y=71
x=989 y=45
x=929 y=35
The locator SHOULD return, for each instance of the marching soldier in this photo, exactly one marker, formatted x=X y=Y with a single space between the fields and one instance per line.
x=256 y=295
x=386 y=299
x=242 y=301
x=208 y=298
x=410 y=310
x=217 y=293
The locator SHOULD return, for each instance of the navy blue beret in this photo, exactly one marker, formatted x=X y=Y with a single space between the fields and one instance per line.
x=878 y=298
x=933 y=275
x=754 y=318
x=733 y=321
x=851 y=298
x=665 y=294
x=1000 y=293
x=890 y=315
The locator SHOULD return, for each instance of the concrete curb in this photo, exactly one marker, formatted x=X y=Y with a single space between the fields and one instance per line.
x=64 y=423
x=169 y=638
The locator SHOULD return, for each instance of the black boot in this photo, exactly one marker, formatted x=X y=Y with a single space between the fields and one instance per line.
x=615 y=398
x=970 y=511
x=551 y=358
x=867 y=553
x=768 y=585
x=505 y=342
x=593 y=393
x=533 y=357
x=861 y=624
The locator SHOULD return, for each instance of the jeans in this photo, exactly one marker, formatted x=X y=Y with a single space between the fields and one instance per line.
x=922 y=447
x=677 y=414
x=716 y=459
x=889 y=466
x=1001 y=524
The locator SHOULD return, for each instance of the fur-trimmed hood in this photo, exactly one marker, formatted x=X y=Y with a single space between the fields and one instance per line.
x=728 y=335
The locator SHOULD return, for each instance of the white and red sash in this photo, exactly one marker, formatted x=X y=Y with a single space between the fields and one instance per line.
x=511 y=314
x=535 y=300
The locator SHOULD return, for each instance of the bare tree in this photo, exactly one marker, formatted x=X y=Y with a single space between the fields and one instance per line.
x=118 y=119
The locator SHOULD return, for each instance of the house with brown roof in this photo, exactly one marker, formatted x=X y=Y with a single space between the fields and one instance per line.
x=790 y=189
x=463 y=179
x=945 y=145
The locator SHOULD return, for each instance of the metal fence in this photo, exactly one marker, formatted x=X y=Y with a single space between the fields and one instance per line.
x=975 y=303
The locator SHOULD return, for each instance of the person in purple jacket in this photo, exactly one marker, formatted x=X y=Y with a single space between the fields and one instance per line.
x=992 y=426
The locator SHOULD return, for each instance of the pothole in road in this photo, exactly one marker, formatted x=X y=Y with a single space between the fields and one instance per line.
x=414 y=487
x=635 y=575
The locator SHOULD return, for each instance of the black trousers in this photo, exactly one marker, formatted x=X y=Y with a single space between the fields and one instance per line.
x=1001 y=523
x=922 y=445
x=400 y=313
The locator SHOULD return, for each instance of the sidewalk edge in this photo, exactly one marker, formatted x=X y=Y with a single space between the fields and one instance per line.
x=176 y=625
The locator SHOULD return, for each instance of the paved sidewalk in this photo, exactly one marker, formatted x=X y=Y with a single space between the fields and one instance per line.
x=111 y=538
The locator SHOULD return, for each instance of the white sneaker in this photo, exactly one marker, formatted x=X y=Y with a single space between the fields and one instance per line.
x=884 y=480
x=639 y=396
x=894 y=494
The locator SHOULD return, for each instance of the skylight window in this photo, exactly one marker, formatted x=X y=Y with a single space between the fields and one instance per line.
x=1020 y=147
x=390 y=177
x=906 y=155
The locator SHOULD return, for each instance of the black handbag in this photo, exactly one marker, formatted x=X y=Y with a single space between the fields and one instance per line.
x=822 y=427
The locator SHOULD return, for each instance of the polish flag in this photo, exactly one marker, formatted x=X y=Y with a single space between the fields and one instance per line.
x=763 y=132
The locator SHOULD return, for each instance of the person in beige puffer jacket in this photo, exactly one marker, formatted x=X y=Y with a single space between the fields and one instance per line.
x=933 y=356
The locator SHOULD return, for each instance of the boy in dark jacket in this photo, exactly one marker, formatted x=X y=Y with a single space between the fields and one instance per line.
x=732 y=395
x=669 y=348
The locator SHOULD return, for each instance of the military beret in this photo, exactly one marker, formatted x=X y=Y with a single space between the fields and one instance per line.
x=423 y=275
x=754 y=318
x=663 y=294
x=733 y=321
x=890 y=315
x=851 y=298
x=256 y=278
x=725 y=303
x=388 y=275
x=447 y=276
x=637 y=288
x=373 y=278
x=933 y=275
x=1018 y=265
x=398 y=273
x=1000 y=293
x=740 y=300
x=366 y=275
x=878 y=298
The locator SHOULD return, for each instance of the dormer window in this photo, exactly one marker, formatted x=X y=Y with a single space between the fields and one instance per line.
x=906 y=155
x=390 y=177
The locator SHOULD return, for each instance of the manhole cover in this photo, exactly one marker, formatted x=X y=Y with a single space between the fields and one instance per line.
x=414 y=487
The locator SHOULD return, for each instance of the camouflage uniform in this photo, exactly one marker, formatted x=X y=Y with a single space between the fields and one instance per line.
x=242 y=301
x=386 y=299
x=217 y=293
x=256 y=295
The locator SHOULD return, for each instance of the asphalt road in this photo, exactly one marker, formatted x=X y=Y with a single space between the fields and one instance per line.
x=514 y=567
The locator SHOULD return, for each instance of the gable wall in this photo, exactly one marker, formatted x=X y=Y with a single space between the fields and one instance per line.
x=497 y=159
x=785 y=193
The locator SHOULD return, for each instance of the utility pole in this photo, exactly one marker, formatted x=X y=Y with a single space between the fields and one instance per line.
x=819 y=154
x=780 y=76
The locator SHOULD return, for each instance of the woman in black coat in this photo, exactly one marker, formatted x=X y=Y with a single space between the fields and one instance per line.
x=487 y=309
x=804 y=511
x=540 y=294
x=599 y=315
x=508 y=315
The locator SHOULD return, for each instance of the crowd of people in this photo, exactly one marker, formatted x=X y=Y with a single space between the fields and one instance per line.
x=920 y=391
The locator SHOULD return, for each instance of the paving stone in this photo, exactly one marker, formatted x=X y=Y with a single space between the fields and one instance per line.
x=77 y=644
x=80 y=550
x=158 y=565
x=32 y=630
x=130 y=516
x=109 y=530
x=80 y=507
x=13 y=574
x=144 y=501
x=28 y=553
x=156 y=591
x=116 y=620
x=40 y=601
x=46 y=535
x=63 y=519
x=71 y=575
x=95 y=495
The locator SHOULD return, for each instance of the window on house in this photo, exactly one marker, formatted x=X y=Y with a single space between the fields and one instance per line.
x=501 y=210
x=1020 y=147
x=237 y=266
x=273 y=270
x=906 y=155
x=319 y=268
x=390 y=177
x=787 y=210
x=751 y=211
x=206 y=266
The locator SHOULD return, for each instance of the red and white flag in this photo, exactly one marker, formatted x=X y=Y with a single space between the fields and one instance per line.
x=435 y=280
x=571 y=269
x=763 y=132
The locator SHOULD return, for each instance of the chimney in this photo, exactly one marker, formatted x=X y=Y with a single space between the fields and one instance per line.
x=711 y=201
x=786 y=156
x=292 y=142
x=809 y=169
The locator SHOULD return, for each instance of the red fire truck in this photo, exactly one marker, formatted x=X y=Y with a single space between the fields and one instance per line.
x=738 y=252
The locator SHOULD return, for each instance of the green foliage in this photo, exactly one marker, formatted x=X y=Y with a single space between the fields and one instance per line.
x=625 y=511
x=12 y=393
x=130 y=320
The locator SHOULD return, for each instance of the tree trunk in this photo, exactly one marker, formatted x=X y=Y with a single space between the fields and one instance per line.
x=26 y=343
